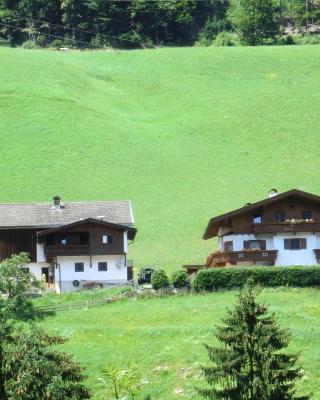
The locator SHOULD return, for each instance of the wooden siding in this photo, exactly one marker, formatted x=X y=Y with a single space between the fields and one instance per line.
x=17 y=241
x=233 y=257
x=94 y=245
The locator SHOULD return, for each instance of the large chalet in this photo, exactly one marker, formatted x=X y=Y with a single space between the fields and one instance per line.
x=71 y=243
x=283 y=229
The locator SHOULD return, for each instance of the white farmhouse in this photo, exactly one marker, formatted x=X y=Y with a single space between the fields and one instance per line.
x=70 y=244
x=283 y=229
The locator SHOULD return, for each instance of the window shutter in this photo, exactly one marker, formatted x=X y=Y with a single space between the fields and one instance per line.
x=286 y=244
x=303 y=243
x=246 y=244
x=109 y=239
x=263 y=245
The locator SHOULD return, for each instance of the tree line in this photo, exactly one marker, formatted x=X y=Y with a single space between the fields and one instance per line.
x=145 y=23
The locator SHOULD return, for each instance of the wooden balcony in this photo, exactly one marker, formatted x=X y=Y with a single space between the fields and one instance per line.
x=283 y=227
x=233 y=257
x=66 y=250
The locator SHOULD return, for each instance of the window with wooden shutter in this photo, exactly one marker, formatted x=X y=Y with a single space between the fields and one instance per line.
x=295 y=244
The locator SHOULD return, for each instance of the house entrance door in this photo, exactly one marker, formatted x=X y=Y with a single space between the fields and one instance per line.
x=45 y=273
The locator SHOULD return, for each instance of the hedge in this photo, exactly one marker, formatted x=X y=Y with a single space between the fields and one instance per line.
x=235 y=277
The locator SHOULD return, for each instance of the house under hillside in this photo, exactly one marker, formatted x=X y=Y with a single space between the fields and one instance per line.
x=70 y=243
x=283 y=229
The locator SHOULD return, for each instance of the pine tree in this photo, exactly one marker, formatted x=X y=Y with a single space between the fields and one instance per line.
x=250 y=365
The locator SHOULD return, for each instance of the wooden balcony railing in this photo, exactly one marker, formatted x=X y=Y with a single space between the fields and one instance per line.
x=286 y=227
x=233 y=257
x=66 y=249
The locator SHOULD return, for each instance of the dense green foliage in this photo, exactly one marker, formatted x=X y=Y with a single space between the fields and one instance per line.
x=179 y=279
x=186 y=118
x=228 y=278
x=254 y=20
x=145 y=23
x=163 y=337
x=160 y=280
x=34 y=369
x=29 y=368
x=250 y=365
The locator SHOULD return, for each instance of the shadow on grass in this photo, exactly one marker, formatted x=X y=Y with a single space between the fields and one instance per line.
x=26 y=312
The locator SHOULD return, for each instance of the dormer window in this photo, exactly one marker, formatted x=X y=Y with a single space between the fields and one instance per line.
x=279 y=216
x=257 y=218
x=306 y=214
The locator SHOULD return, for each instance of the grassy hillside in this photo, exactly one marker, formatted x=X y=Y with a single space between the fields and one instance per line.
x=164 y=337
x=184 y=133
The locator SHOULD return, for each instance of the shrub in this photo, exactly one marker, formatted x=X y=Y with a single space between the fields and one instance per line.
x=29 y=44
x=228 y=278
x=226 y=39
x=56 y=44
x=179 y=279
x=160 y=280
x=306 y=39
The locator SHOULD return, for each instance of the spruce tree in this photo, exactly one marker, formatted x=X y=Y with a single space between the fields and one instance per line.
x=250 y=365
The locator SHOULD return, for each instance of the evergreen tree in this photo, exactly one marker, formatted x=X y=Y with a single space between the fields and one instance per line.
x=250 y=365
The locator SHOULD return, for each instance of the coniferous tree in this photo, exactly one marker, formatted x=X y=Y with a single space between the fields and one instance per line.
x=249 y=365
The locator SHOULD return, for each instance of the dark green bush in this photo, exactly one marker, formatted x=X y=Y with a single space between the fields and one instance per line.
x=179 y=279
x=228 y=278
x=160 y=280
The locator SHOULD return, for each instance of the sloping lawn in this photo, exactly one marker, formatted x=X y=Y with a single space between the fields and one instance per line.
x=164 y=336
x=185 y=133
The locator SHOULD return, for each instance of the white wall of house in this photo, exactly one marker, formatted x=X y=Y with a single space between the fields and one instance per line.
x=116 y=273
x=36 y=268
x=276 y=242
x=296 y=257
x=125 y=241
x=40 y=253
x=239 y=239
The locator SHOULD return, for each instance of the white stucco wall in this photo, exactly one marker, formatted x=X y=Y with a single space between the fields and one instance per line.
x=239 y=239
x=117 y=270
x=40 y=253
x=296 y=257
x=125 y=242
x=36 y=268
x=276 y=242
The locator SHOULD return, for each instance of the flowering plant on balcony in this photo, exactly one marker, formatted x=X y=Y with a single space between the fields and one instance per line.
x=295 y=221
x=251 y=250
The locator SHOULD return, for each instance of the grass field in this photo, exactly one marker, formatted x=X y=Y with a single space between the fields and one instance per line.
x=164 y=337
x=184 y=133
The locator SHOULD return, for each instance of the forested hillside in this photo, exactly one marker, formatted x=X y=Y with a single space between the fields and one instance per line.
x=145 y=23
x=184 y=133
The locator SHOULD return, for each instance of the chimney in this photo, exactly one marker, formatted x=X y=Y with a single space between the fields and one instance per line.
x=56 y=203
x=272 y=192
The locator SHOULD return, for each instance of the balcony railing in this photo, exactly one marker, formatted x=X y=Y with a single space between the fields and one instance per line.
x=66 y=249
x=233 y=257
x=286 y=227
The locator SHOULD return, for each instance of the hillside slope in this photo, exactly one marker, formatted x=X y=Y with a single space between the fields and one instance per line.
x=184 y=133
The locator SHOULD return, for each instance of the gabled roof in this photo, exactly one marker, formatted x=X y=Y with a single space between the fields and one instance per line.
x=43 y=215
x=215 y=223
x=131 y=231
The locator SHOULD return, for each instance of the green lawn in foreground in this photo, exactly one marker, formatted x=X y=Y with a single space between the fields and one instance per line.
x=164 y=337
x=185 y=133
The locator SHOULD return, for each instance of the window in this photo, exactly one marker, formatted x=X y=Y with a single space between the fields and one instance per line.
x=257 y=218
x=102 y=266
x=64 y=241
x=295 y=244
x=254 y=245
x=306 y=214
x=228 y=246
x=78 y=267
x=279 y=216
x=106 y=239
x=25 y=269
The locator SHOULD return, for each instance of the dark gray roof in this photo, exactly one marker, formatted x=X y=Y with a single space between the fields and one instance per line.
x=44 y=215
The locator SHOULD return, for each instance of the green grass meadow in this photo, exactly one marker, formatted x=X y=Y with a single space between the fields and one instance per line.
x=164 y=337
x=185 y=133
